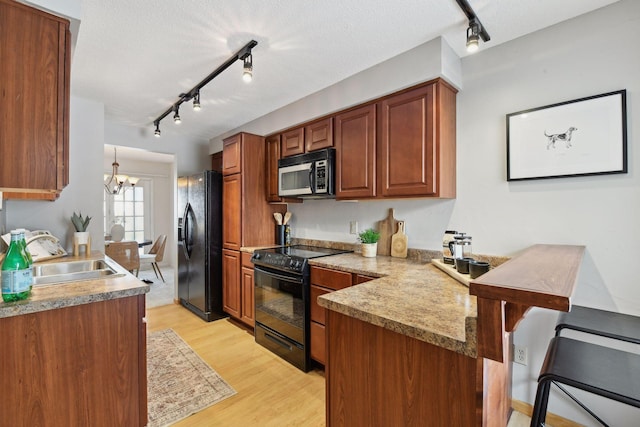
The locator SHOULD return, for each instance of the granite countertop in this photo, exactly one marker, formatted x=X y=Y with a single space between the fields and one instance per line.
x=410 y=297
x=49 y=297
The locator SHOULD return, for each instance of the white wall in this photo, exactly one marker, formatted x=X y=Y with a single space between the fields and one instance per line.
x=86 y=140
x=588 y=55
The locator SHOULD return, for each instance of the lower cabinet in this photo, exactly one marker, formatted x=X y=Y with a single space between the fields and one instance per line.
x=81 y=365
x=323 y=281
x=237 y=292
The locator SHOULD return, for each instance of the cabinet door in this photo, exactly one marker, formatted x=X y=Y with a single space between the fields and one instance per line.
x=247 y=315
x=273 y=155
x=318 y=348
x=231 y=293
x=407 y=144
x=231 y=211
x=319 y=134
x=34 y=101
x=292 y=142
x=356 y=153
x=216 y=162
x=318 y=313
x=232 y=155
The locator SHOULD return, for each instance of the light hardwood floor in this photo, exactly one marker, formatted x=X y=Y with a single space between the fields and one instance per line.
x=270 y=391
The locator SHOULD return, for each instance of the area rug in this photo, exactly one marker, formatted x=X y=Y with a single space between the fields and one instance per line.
x=179 y=382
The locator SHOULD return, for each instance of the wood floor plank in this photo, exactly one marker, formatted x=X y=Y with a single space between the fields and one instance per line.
x=270 y=391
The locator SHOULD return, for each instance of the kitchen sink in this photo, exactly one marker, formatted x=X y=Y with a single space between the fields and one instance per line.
x=64 y=272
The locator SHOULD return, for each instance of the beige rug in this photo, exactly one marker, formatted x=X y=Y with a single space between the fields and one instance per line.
x=180 y=383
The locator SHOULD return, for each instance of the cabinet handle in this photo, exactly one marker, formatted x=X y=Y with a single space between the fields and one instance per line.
x=144 y=319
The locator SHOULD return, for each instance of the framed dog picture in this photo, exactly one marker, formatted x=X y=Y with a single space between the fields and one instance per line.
x=586 y=136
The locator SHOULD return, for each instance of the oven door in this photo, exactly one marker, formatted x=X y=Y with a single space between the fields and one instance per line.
x=281 y=314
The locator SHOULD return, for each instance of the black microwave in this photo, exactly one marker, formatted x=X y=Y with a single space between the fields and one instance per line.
x=309 y=175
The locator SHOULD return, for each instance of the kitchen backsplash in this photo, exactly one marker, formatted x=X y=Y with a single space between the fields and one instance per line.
x=421 y=255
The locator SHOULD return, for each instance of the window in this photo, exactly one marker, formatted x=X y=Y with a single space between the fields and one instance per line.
x=130 y=209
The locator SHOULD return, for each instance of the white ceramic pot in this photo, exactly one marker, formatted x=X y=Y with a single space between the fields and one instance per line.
x=81 y=237
x=369 y=250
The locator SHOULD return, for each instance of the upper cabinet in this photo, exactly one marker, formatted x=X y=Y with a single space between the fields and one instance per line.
x=356 y=153
x=293 y=142
x=416 y=143
x=232 y=155
x=318 y=134
x=402 y=145
x=34 y=102
x=310 y=137
x=273 y=155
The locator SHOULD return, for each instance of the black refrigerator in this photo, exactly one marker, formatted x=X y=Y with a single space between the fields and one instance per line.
x=200 y=244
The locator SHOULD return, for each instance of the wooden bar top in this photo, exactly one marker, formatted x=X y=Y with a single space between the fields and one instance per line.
x=542 y=276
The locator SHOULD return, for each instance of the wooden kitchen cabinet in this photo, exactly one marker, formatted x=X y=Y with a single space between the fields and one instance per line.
x=232 y=211
x=216 y=162
x=231 y=289
x=356 y=153
x=318 y=134
x=323 y=281
x=246 y=297
x=78 y=365
x=247 y=218
x=292 y=142
x=34 y=102
x=416 y=142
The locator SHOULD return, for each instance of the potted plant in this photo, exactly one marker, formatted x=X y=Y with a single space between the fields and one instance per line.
x=369 y=239
x=81 y=236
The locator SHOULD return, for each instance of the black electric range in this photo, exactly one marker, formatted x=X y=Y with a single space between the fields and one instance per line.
x=282 y=300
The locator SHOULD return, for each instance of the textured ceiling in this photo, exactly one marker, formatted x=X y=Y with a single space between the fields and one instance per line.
x=137 y=56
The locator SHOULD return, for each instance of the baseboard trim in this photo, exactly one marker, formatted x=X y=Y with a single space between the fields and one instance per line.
x=552 y=419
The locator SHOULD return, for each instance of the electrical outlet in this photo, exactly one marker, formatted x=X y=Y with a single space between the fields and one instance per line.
x=520 y=354
x=353 y=227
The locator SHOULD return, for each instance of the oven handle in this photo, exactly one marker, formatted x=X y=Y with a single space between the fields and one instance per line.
x=293 y=279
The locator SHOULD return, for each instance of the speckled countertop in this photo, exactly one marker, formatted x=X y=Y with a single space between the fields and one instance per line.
x=413 y=298
x=49 y=297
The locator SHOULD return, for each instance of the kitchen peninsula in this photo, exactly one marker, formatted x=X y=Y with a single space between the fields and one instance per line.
x=74 y=353
x=416 y=347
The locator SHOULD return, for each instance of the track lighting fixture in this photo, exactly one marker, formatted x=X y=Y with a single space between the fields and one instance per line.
x=196 y=101
x=475 y=30
x=247 y=74
x=176 y=115
x=473 y=35
x=243 y=54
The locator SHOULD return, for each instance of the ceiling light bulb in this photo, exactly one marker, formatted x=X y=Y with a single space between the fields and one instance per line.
x=176 y=117
x=157 y=131
x=247 y=74
x=472 y=45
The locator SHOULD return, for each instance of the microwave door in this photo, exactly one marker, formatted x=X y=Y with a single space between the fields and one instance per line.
x=295 y=180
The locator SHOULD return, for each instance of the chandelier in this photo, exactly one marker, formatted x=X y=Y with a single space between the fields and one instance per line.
x=114 y=184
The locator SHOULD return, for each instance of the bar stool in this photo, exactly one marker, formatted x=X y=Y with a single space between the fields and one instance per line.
x=600 y=370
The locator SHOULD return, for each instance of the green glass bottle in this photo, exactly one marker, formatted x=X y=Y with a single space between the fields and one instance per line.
x=16 y=272
x=26 y=254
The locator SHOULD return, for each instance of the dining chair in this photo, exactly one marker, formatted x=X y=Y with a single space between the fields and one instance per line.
x=155 y=255
x=125 y=254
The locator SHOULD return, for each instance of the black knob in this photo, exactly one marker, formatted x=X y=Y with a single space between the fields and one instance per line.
x=256 y=256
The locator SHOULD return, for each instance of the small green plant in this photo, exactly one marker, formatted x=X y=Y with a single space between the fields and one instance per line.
x=79 y=223
x=369 y=236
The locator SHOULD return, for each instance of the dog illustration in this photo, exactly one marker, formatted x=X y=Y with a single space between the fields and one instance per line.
x=566 y=137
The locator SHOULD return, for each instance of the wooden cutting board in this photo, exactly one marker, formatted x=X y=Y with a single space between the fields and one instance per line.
x=399 y=242
x=386 y=228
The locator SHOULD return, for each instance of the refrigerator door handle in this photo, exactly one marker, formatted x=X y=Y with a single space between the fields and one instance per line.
x=185 y=232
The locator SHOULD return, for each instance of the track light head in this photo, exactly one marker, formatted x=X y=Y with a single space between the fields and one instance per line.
x=196 y=101
x=157 y=131
x=176 y=116
x=247 y=74
x=473 y=35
